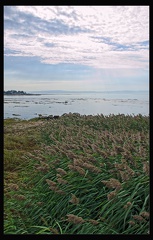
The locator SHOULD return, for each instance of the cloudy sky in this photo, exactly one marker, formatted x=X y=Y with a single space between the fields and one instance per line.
x=76 y=48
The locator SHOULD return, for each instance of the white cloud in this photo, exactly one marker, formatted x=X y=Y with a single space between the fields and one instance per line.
x=71 y=35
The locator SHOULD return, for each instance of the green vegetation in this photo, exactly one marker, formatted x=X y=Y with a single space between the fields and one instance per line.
x=77 y=175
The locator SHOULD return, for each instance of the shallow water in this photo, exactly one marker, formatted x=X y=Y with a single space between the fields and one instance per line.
x=27 y=107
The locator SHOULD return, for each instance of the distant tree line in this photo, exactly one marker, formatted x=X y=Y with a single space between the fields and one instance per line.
x=14 y=92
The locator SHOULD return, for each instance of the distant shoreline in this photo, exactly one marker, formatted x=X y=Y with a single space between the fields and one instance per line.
x=18 y=93
x=27 y=94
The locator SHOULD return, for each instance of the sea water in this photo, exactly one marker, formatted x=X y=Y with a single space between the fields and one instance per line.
x=85 y=103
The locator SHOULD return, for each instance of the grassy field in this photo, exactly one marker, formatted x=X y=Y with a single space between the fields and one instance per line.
x=77 y=175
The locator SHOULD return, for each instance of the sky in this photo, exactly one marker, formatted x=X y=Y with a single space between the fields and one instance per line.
x=82 y=48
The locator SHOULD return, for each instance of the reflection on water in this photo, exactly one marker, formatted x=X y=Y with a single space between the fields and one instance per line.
x=105 y=103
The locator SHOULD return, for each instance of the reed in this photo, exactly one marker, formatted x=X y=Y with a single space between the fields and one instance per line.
x=81 y=175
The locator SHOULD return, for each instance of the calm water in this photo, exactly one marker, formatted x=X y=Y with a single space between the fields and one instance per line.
x=106 y=103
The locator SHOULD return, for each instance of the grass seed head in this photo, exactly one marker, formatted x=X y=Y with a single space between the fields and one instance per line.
x=54 y=230
x=59 y=191
x=61 y=171
x=145 y=214
x=39 y=203
x=111 y=195
x=113 y=183
x=75 y=219
x=13 y=186
x=19 y=197
x=124 y=176
x=146 y=168
x=51 y=183
x=94 y=222
x=138 y=218
x=131 y=223
x=74 y=199
x=62 y=181
x=80 y=170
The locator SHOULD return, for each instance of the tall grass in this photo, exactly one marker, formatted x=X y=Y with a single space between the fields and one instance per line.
x=84 y=175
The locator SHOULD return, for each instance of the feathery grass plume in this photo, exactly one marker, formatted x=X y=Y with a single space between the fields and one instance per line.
x=30 y=155
x=43 y=169
x=80 y=170
x=58 y=175
x=71 y=167
x=91 y=159
x=61 y=171
x=145 y=214
x=119 y=149
x=104 y=154
x=146 y=168
x=94 y=222
x=127 y=205
x=75 y=219
x=119 y=166
x=62 y=181
x=13 y=186
x=129 y=171
x=131 y=223
x=78 y=162
x=54 y=230
x=113 y=183
x=138 y=218
x=91 y=167
x=125 y=177
x=111 y=195
x=40 y=203
x=74 y=199
x=51 y=183
x=19 y=197
x=59 y=191
x=70 y=154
